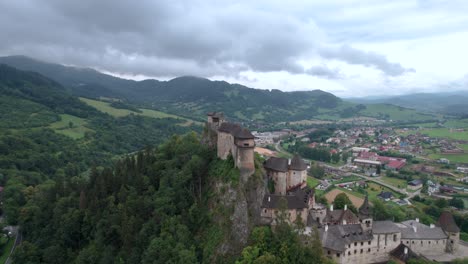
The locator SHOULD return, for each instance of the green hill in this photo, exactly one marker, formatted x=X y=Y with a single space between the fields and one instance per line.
x=193 y=97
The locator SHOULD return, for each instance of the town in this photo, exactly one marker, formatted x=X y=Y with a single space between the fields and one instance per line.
x=370 y=174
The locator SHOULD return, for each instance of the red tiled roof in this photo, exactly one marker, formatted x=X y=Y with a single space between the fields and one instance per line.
x=396 y=164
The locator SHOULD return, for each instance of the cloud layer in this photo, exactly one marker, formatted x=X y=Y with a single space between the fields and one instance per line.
x=234 y=40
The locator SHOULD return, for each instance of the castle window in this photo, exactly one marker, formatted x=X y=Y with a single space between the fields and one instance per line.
x=328 y=252
x=246 y=144
x=412 y=242
x=355 y=243
x=265 y=210
x=355 y=251
x=429 y=242
x=362 y=250
x=394 y=238
x=368 y=243
x=362 y=243
x=368 y=250
x=349 y=253
x=407 y=242
x=421 y=242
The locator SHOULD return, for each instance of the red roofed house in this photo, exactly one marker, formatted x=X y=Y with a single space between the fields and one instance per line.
x=396 y=164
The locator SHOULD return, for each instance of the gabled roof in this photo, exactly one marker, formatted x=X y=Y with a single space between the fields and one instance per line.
x=297 y=163
x=385 y=195
x=273 y=201
x=384 y=227
x=337 y=237
x=415 y=182
x=340 y=215
x=236 y=130
x=399 y=253
x=277 y=164
x=244 y=133
x=408 y=228
x=447 y=223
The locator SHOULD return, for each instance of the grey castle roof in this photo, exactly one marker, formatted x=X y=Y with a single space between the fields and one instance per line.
x=235 y=130
x=399 y=253
x=282 y=164
x=422 y=231
x=447 y=223
x=297 y=163
x=216 y=114
x=340 y=215
x=297 y=199
x=277 y=164
x=338 y=236
x=384 y=227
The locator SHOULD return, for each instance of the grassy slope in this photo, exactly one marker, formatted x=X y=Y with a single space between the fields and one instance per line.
x=6 y=250
x=76 y=131
x=394 y=112
x=115 y=112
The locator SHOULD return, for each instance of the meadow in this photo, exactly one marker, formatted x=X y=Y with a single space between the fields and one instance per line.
x=71 y=126
x=117 y=112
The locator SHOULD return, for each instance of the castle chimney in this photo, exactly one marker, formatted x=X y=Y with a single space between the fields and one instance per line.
x=406 y=251
x=269 y=199
x=432 y=225
x=331 y=208
x=345 y=207
x=415 y=229
x=326 y=227
x=417 y=220
x=344 y=221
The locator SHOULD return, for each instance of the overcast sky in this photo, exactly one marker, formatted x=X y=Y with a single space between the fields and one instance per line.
x=348 y=47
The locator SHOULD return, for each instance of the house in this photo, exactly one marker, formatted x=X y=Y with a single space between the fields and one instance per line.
x=447 y=189
x=444 y=161
x=415 y=184
x=462 y=169
x=396 y=165
x=386 y=196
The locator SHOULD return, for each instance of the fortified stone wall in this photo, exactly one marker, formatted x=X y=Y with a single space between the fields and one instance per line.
x=426 y=246
x=224 y=146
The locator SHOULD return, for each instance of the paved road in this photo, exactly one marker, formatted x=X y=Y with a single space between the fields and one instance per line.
x=18 y=238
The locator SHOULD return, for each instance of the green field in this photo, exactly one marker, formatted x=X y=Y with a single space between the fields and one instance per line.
x=443 y=133
x=116 y=112
x=76 y=131
x=386 y=111
x=457 y=123
x=312 y=182
x=463 y=158
x=399 y=183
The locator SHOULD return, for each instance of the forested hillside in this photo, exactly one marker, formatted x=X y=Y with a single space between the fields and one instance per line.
x=193 y=97
x=46 y=132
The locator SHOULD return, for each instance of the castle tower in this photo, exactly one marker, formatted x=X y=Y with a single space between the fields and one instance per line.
x=215 y=119
x=244 y=141
x=365 y=217
x=297 y=172
x=447 y=223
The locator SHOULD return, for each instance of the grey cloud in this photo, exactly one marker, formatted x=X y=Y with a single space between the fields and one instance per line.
x=369 y=59
x=324 y=71
x=170 y=38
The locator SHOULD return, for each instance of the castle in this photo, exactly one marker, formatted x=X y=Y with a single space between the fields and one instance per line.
x=232 y=139
x=346 y=237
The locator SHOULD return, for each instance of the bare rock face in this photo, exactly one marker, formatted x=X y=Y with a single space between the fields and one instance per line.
x=242 y=203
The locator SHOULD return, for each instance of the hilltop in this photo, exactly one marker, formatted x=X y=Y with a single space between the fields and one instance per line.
x=193 y=96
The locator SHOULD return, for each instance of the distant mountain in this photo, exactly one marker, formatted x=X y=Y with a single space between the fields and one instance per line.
x=193 y=96
x=448 y=102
